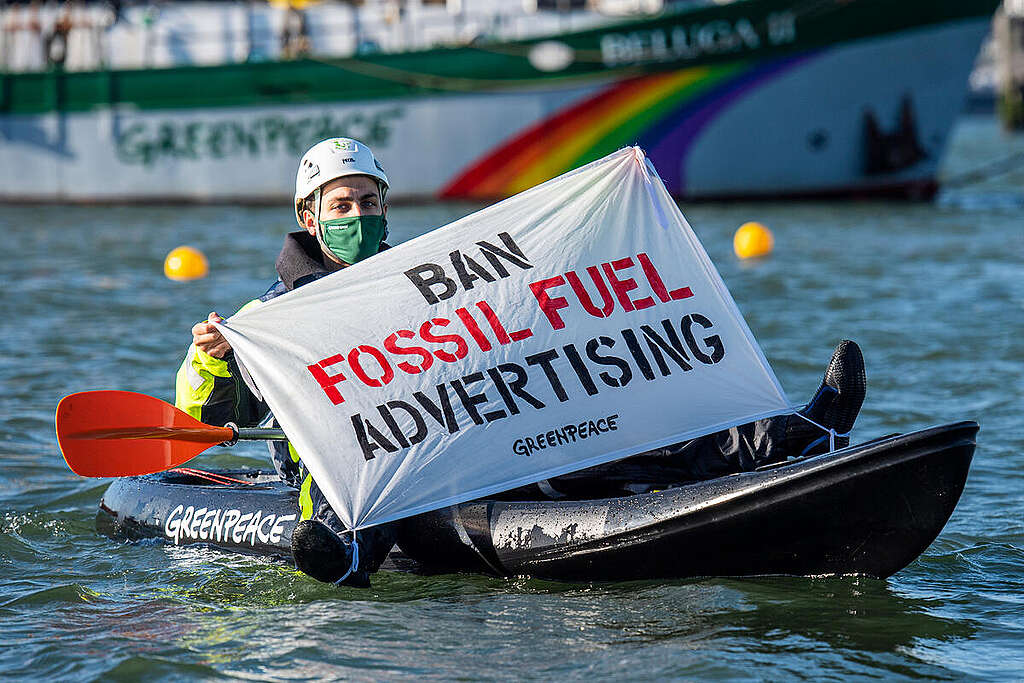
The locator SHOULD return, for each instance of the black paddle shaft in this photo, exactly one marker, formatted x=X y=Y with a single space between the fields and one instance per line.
x=254 y=434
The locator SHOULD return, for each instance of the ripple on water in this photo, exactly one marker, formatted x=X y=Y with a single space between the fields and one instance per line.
x=54 y=595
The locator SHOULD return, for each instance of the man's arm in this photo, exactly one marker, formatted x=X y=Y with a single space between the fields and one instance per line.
x=209 y=386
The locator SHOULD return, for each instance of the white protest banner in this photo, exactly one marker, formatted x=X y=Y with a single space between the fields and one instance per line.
x=573 y=324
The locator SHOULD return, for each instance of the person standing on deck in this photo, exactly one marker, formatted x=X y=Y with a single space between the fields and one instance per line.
x=340 y=205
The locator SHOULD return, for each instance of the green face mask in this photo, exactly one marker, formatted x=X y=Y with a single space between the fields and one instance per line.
x=353 y=239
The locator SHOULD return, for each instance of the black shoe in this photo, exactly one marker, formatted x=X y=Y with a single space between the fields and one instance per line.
x=322 y=554
x=834 y=405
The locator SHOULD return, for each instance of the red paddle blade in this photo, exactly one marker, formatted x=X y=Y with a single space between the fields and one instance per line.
x=121 y=433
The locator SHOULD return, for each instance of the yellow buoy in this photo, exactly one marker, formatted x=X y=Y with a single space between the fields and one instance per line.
x=753 y=240
x=297 y=4
x=186 y=263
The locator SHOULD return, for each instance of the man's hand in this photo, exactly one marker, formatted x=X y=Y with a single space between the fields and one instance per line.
x=208 y=338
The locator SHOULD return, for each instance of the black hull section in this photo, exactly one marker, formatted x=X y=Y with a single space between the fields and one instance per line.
x=256 y=516
x=869 y=510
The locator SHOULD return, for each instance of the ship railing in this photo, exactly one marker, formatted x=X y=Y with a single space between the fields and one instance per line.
x=89 y=37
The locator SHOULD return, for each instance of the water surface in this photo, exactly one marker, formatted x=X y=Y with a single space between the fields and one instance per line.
x=934 y=293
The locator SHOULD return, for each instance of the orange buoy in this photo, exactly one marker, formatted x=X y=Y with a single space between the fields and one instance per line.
x=186 y=263
x=753 y=240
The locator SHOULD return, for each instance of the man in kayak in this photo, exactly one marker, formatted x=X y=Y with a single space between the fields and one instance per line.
x=340 y=193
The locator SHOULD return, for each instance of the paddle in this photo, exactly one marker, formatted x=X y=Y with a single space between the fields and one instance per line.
x=121 y=433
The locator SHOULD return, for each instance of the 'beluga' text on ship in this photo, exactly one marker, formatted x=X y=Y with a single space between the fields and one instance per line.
x=697 y=40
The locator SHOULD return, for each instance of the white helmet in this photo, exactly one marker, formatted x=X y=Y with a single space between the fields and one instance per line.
x=332 y=159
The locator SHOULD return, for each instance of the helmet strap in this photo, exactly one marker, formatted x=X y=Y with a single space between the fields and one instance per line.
x=317 y=199
x=381 y=191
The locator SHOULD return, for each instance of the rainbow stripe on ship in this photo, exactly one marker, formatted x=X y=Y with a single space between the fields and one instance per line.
x=663 y=113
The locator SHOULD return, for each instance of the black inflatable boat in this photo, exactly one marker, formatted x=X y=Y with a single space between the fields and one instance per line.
x=869 y=509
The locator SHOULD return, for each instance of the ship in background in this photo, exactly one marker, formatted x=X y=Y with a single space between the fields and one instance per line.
x=215 y=102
